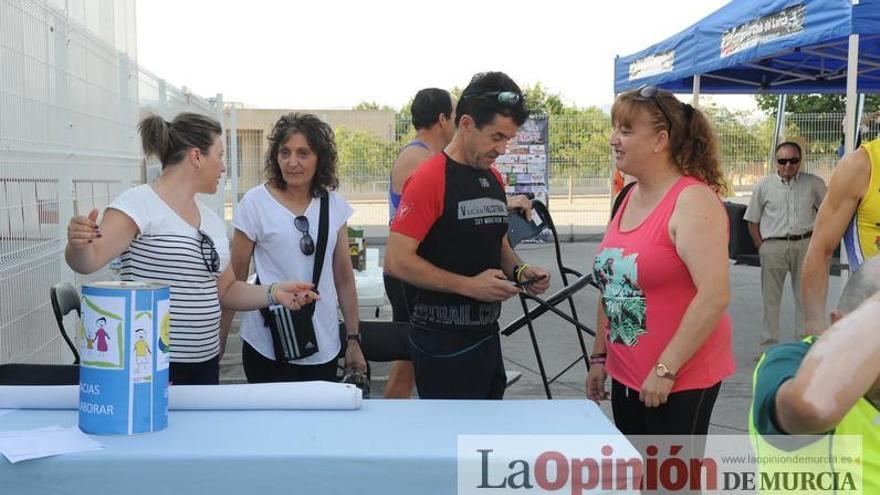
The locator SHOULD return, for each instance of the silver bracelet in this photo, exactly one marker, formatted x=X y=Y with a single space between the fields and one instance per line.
x=270 y=297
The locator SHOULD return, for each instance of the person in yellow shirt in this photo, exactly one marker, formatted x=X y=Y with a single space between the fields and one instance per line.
x=850 y=211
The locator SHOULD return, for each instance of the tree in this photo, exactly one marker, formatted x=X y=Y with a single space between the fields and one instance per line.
x=540 y=101
x=579 y=142
x=745 y=142
x=363 y=154
x=372 y=105
x=815 y=103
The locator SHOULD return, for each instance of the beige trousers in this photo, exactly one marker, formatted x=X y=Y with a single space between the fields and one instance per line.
x=778 y=259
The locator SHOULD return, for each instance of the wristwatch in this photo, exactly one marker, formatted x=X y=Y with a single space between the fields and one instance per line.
x=663 y=371
x=354 y=336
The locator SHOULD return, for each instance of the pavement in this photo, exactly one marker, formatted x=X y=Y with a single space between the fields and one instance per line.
x=559 y=345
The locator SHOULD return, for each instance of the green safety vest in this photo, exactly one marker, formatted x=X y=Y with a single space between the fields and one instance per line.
x=818 y=458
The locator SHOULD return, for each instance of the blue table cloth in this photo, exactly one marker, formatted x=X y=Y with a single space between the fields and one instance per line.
x=407 y=446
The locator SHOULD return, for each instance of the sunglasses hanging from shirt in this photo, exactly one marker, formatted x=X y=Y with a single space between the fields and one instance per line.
x=293 y=332
x=211 y=259
x=306 y=244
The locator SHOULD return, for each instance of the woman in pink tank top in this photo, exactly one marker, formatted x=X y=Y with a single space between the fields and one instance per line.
x=664 y=335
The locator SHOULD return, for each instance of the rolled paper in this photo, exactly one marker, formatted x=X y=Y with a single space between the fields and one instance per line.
x=275 y=396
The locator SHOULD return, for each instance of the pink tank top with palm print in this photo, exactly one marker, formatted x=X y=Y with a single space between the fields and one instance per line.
x=646 y=289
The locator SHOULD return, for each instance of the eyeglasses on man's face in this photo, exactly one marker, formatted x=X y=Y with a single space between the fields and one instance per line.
x=306 y=244
x=788 y=161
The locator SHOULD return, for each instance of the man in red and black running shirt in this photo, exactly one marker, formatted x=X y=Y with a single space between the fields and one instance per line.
x=449 y=239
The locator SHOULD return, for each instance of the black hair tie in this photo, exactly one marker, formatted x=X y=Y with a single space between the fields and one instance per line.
x=688 y=112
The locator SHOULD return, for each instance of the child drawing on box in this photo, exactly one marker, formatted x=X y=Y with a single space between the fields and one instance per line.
x=141 y=351
x=101 y=335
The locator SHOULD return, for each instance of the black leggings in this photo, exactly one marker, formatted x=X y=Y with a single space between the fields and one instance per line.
x=204 y=373
x=685 y=413
x=260 y=369
x=457 y=365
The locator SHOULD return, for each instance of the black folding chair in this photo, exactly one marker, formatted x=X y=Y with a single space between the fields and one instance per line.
x=381 y=342
x=39 y=374
x=65 y=299
x=520 y=230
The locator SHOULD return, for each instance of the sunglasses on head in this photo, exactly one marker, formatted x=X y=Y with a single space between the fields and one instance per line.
x=646 y=93
x=505 y=98
x=306 y=244
x=209 y=253
x=791 y=161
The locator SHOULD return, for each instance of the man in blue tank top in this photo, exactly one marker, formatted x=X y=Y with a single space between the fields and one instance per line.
x=433 y=116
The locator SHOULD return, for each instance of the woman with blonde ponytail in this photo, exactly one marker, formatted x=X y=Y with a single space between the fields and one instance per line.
x=163 y=234
x=663 y=335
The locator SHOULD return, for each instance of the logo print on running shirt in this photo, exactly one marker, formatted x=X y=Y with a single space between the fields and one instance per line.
x=484 y=182
x=403 y=210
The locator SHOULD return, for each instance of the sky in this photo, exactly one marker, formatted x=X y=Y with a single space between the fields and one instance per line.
x=334 y=54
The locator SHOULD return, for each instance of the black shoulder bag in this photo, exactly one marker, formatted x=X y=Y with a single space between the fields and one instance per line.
x=620 y=197
x=293 y=332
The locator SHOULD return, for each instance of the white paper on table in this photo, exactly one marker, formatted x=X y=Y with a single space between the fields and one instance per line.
x=44 y=442
x=301 y=395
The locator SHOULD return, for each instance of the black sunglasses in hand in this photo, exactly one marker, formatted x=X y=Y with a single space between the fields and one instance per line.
x=306 y=244
x=209 y=253
x=526 y=283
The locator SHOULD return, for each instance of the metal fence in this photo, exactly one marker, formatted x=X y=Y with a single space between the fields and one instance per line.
x=579 y=164
x=69 y=106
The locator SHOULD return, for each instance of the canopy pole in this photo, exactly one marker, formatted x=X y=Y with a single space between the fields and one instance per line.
x=778 y=130
x=852 y=124
x=695 y=100
x=852 y=74
x=232 y=132
x=860 y=109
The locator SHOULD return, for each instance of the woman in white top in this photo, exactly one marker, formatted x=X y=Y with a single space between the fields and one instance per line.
x=276 y=224
x=163 y=234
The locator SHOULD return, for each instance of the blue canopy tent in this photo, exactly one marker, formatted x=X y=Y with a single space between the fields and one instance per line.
x=768 y=46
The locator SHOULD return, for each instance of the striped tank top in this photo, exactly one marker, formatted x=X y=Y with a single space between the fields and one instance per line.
x=862 y=237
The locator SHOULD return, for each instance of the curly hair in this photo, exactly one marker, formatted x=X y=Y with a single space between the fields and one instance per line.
x=693 y=145
x=321 y=139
